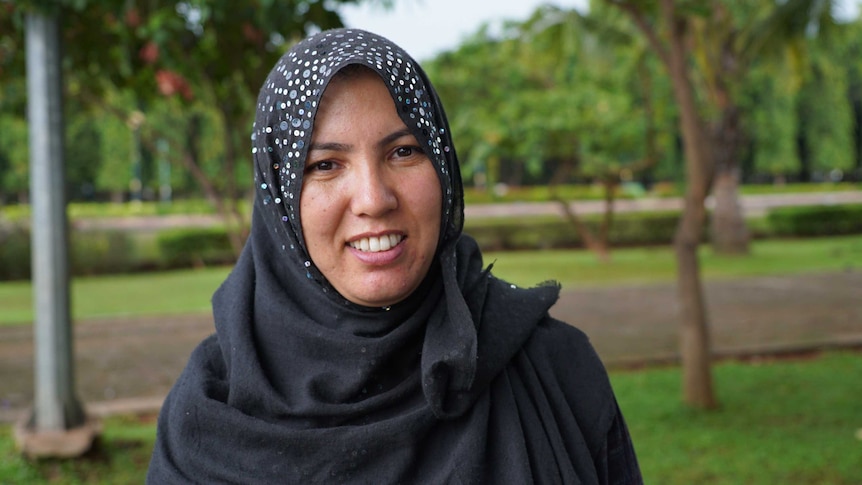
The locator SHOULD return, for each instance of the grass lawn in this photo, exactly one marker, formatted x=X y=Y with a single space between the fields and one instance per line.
x=787 y=421
x=657 y=264
x=120 y=457
x=163 y=293
x=183 y=292
x=793 y=422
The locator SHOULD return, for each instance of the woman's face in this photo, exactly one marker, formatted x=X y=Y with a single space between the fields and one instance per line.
x=371 y=201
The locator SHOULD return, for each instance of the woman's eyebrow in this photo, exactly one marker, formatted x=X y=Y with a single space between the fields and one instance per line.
x=393 y=136
x=330 y=146
x=346 y=147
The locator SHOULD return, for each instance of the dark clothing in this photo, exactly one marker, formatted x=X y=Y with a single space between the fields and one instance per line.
x=541 y=413
x=467 y=380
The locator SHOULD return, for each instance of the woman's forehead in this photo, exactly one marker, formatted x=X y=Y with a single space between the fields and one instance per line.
x=291 y=96
x=292 y=93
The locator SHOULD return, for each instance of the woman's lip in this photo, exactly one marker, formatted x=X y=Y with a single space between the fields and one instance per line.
x=373 y=234
x=380 y=258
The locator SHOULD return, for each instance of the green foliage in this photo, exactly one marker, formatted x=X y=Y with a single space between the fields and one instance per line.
x=195 y=247
x=556 y=91
x=127 y=61
x=14 y=251
x=100 y=252
x=826 y=117
x=557 y=88
x=773 y=123
x=816 y=220
x=90 y=252
x=14 y=155
x=540 y=193
x=628 y=229
x=83 y=156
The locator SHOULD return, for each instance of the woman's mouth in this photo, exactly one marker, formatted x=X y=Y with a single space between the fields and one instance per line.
x=376 y=244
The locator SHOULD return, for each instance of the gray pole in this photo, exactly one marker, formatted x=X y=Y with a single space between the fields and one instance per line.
x=164 y=171
x=56 y=407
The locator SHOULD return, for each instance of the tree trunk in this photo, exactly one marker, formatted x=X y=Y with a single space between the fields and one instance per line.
x=694 y=329
x=595 y=244
x=694 y=340
x=610 y=184
x=728 y=231
x=225 y=204
x=591 y=242
x=237 y=231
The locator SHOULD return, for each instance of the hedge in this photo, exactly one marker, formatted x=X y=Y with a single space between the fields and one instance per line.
x=627 y=229
x=816 y=220
x=195 y=247
x=100 y=252
x=90 y=252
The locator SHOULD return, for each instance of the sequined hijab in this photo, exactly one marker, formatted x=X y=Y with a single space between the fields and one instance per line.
x=288 y=103
x=299 y=385
x=282 y=132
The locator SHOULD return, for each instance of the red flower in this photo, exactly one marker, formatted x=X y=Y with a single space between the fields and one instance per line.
x=171 y=83
x=149 y=53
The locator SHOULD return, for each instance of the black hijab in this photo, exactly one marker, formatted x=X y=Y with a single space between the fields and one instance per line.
x=299 y=385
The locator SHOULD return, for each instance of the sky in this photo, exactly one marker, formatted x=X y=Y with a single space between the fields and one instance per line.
x=425 y=28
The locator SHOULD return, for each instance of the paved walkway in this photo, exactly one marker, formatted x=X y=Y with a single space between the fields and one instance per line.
x=128 y=365
x=752 y=205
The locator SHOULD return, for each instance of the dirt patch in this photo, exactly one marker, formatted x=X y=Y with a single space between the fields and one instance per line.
x=129 y=360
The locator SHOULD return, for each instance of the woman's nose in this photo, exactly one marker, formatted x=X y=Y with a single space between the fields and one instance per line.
x=373 y=192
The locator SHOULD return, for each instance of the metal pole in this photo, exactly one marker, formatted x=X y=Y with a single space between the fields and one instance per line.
x=56 y=408
x=164 y=171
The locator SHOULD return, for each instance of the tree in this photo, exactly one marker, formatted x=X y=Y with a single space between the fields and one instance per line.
x=13 y=157
x=215 y=52
x=555 y=98
x=665 y=28
x=771 y=122
x=722 y=39
x=826 y=114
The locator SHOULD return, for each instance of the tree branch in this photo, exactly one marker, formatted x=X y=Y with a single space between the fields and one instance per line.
x=640 y=21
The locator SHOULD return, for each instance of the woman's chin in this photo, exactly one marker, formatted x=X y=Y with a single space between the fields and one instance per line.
x=380 y=297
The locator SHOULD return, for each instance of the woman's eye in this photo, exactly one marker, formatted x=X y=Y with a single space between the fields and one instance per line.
x=323 y=166
x=407 y=151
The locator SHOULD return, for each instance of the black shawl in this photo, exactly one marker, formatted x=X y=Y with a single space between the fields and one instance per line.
x=466 y=381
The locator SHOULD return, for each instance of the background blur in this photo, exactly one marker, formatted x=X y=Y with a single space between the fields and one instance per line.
x=588 y=159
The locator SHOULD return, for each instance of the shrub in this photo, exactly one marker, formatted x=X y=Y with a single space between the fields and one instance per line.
x=195 y=247
x=100 y=252
x=627 y=229
x=816 y=220
x=90 y=252
x=14 y=252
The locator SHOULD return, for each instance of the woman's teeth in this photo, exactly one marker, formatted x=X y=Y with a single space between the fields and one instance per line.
x=377 y=244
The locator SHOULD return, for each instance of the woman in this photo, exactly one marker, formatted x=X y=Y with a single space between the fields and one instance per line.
x=359 y=339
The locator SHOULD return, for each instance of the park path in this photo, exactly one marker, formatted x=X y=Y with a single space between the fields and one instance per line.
x=752 y=205
x=129 y=364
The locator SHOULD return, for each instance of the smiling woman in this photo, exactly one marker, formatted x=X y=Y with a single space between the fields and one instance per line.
x=371 y=202
x=359 y=339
